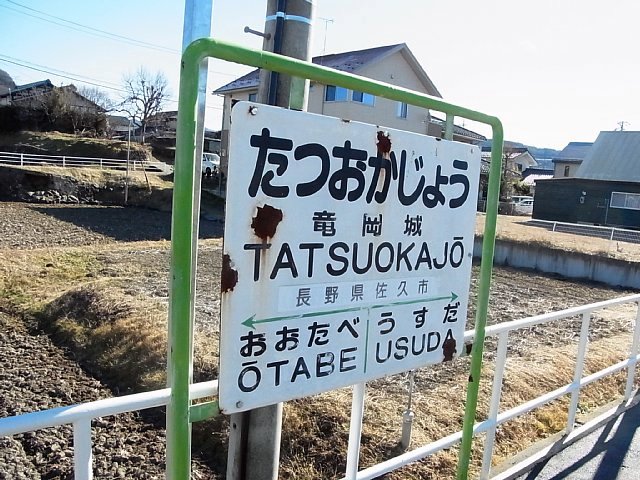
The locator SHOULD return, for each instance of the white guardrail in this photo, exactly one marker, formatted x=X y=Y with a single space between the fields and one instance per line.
x=612 y=234
x=81 y=415
x=28 y=159
x=497 y=418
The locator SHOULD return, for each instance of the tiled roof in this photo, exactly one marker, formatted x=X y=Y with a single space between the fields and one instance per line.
x=531 y=179
x=458 y=130
x=20 y=88
x=574 y=152
x=345 y=62
x=41 y=83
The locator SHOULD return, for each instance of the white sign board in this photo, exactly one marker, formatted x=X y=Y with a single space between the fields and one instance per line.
x=348 y=254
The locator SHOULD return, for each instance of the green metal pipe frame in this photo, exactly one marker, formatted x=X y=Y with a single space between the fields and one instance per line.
x=181 y=314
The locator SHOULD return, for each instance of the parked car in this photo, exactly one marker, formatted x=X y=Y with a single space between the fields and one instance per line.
x=524 y=207
x=519 y=199
x=210 y=164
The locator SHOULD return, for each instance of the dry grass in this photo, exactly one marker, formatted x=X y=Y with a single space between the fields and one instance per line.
x=120 y=335
x=104 y=177
x=514 y=228
x=57 y=143
x=316 y=429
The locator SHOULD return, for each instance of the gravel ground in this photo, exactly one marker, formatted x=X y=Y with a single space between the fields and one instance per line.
x=127 y=447
x=24 y=225
x=124 y=447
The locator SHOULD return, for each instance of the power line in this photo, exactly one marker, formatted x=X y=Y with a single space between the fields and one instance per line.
x=86 y=29
x=57 y=71
x=69 y=76
x=70 y=24
x=60 y=75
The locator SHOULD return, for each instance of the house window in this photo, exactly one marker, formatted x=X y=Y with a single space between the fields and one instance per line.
x=566 y=170
x=253 y=97
x=362 y=97
x=402 y=110
x=630 y=201
x=335 y=94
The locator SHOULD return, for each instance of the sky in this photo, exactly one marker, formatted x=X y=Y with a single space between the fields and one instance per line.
x=553 y=71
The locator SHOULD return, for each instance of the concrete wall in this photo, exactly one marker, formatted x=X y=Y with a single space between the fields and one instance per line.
x=611 y=271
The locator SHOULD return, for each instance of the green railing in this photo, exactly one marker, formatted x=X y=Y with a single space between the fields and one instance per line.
x=180 y=412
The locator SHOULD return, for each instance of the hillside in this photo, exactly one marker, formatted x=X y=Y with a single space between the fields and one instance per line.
x=56 y=143
x=537 y=152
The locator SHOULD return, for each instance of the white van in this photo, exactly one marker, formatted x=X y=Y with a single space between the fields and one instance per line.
x=210 y=164
x=518 y=199
x=522 y=204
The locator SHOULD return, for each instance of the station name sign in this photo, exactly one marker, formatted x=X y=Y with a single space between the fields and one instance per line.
x=347 y=254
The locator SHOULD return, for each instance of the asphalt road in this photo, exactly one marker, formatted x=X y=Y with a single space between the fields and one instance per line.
x=611 y=452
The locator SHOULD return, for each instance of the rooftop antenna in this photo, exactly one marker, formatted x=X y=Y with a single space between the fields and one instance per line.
x=621 y=124
x=326 y=21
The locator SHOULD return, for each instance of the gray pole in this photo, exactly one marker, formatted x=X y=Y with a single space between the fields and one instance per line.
x=197 y=24
x=254 y=441
x=126 y=178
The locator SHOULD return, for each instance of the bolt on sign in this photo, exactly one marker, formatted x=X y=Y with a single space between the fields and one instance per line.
x=347 y=254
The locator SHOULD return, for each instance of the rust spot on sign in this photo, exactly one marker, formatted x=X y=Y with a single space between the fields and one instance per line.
x=264 y=224
x=383 y=142
x=229 y=276
x=468 y=347
x=449 y=349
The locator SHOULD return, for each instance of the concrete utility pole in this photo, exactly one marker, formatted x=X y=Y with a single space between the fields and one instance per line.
x=254 y=441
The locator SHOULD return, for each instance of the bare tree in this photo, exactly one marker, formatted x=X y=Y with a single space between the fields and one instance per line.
x=510 y=175
x=145 y=94
x=97 y=96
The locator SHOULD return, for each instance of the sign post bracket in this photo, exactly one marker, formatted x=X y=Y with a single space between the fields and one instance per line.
x=181 y=315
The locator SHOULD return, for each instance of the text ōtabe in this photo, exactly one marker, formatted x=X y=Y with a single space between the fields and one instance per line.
x=352 y=247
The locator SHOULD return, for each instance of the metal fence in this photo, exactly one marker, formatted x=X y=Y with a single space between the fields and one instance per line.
x=80 y=416
x=496 y=417
x=29 y=159
x=609 y=233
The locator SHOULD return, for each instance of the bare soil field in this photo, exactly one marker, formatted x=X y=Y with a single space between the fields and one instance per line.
x=86 y=288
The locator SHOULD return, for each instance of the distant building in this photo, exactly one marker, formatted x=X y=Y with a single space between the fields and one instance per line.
x=162 y=122
x=605 y=189
x=26 y=94
x=568 y=161
x=35 y=94
x=394 y=64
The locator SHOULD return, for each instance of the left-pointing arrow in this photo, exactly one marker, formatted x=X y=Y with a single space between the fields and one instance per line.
x=251 y=322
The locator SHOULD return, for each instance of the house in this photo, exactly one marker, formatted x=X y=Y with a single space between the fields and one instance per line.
x=37 y=94
x=569 y=159
x=516 y=159
x=27 y=94
x=162 y=122
x=605 y=189
x=542 y=171
x=394 y=64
